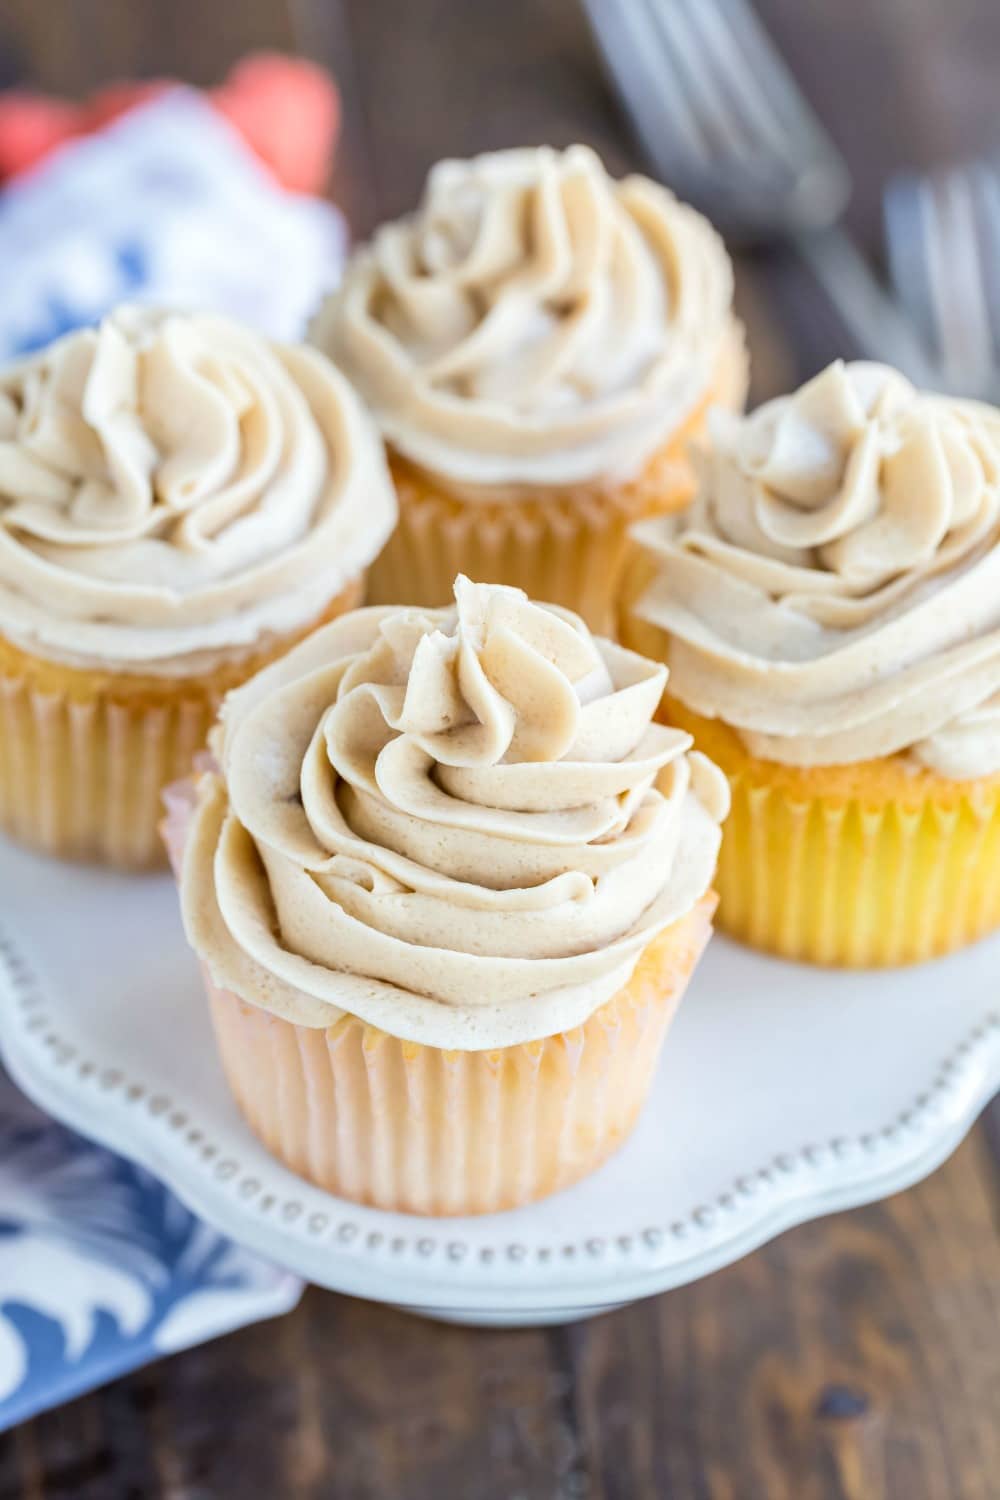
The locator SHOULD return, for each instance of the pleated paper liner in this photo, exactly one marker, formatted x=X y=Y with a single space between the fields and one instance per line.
x=85 y=755
x=408 y=1127
x=857 y=866
x=566 y=546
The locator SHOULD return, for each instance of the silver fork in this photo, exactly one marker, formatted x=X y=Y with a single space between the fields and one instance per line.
x=943 y=243
x=723 y=122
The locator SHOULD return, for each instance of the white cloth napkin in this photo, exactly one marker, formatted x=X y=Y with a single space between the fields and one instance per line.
x=166 y=205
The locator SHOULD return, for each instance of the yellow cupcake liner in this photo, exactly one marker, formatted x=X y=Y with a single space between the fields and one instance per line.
x=85 y=755
x=82 y=779
x=413 y=1128
x=567 y=546
x=862 y=866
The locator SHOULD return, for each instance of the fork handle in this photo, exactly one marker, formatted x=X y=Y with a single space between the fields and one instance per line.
x=870 y=316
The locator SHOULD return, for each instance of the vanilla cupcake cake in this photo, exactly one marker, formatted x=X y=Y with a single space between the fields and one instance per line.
x=447 y=884
x=537 y=342
x=179 y=501
x=830 y=612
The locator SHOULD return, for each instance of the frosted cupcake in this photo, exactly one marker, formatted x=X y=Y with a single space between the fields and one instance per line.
x=538 y=342
x=180 y=500
x=447 y=884
x=830 y=612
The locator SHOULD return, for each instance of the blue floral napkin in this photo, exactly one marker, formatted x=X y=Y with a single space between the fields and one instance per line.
x=102 y=1269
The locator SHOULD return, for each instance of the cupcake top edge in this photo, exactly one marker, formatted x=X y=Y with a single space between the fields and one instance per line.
x=834 y=591
x=535 y=321
x=461 y=825
x=174 y=485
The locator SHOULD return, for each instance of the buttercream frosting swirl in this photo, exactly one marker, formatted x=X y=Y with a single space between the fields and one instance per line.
x=175 y=484
x=534 y=321
x=462 y=826
x=834 y=592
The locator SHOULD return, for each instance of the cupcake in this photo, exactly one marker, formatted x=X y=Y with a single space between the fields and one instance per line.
x=830 y=612
x=538 y=342
x=180 y=500
x=447 y=880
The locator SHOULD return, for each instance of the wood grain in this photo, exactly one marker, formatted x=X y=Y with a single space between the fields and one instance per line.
x=854 y=1359
x=72 y=46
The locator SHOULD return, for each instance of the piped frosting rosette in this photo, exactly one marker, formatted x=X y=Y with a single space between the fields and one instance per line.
x=534 y=321
x=462 y=826
x=834 y=593
x=176 y=485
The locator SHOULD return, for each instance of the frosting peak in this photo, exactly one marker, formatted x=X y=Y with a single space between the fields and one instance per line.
x=534 y=320
x=833 y=591
x=856 y=475
x=170 y=484
x=504 y=685
x=462 y=825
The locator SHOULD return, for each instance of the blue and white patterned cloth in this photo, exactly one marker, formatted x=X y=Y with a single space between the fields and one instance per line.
x=101 y=1268
x=166 y=205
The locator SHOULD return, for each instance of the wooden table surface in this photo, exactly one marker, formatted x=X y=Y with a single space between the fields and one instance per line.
x=854 y=1359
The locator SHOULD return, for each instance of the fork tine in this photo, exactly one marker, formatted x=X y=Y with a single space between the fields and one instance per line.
x=721 y=119
x=673 y=125
x=741 y=172
x=943 y=240
x=986 y=193
x=632 y=47
x=737 y=140
x=739 y=83
x=906 y=236
x=752 y=44
x=779 y=122
x=694 y=57
x=960 y=295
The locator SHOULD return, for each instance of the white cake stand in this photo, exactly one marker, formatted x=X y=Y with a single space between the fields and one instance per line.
x=784 y=1093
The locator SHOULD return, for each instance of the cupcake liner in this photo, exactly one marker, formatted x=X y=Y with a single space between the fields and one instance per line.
x=865 y=866
x=85 y=756
x=413 y=1128
x=82 y=779
x=558 y=552
x=565 y=546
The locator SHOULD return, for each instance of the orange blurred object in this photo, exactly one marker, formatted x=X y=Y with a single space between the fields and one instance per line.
x=285 y=108
x=117 y=98
x=288 y=111
x=31 y=125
